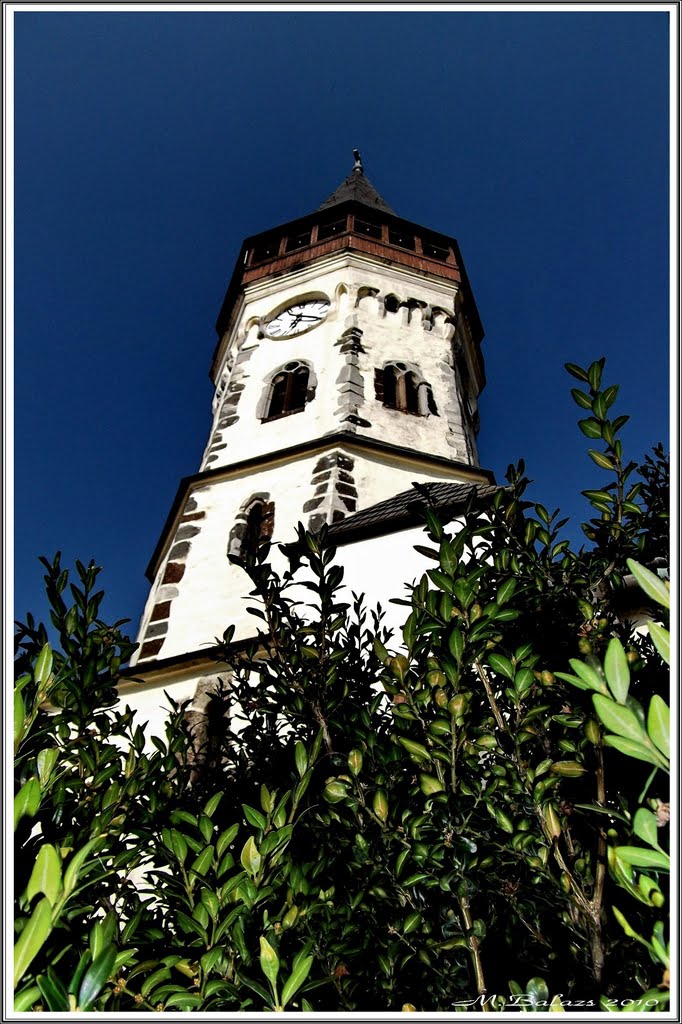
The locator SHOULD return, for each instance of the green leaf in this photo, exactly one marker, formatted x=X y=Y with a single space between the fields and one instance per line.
x=456 y=644
x=502 y=665
x=645 y=826
x=634 y=749
x=19 y=716
x=641 y=858
x=589 y=675
x=505 y=591
x=576 y=371
x=179 y=844
x=211 y=902
x=152 y=981
x=275 y=839
x=658 y=724
x=590 y=427
x=255 y=987
x=652 y=585
x=32 y=938
x=420 y=876
x=53 y=991
x=225 y=839
x=185 y=1001
x=603 y=461
x=415 y=749
x=269 y=961
x=298 y=975
x=602 y=496
x=581 y=399
x=250 y=857
x=626 y=926
x=617 y=670
x=26 y=999
x=206 y=828
x=618 y=718
x=537 y=993
x=212 y=804
x=179 y=816
x=27 y=801
x=43 y=666
x=97 y=976
x=203 y=861
x=442 y=581
x=254 y=817
x=661 y=639
x=45 y=762
x=301 y=756
x=210 y=959
x=523 y=680
x=594 y=373
x=46 y=876
x=434 y=524
x=380 y=651
x=429 y=786
x=573 y=680
x=102 y=934
x=599 y=406
x=568 y=769
x=504 y=821
x=76 y=863
x=412 y=922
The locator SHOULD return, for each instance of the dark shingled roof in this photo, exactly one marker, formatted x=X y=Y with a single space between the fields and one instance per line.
x=404 y=510
x=357 y=187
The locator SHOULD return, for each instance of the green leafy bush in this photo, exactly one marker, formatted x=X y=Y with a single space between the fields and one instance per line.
x=368 y=823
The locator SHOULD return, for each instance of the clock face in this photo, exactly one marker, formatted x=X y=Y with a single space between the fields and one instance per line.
x=297 y=318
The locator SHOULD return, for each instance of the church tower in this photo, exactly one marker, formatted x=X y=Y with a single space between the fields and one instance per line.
x=347 y=367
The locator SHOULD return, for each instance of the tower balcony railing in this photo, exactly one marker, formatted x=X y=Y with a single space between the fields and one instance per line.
x=363 y=231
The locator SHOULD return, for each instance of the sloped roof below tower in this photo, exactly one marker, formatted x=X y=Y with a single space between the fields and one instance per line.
x=407 y=509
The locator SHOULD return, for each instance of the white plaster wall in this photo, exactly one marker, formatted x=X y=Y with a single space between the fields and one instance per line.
x=386 y=337
x=213 y=592
x=380 y=568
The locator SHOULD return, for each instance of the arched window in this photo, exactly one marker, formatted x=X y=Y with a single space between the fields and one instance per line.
x=400 y=387
x=253 y=526
x=288 y=391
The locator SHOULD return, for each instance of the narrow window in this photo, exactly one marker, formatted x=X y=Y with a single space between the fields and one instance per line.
x=390 y=389
x=288 y=391
x=411 y=395
x=401 y=389
x=260 y=521
x=253 y=526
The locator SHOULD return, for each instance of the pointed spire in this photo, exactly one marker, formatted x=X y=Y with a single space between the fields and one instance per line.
x=357 y=187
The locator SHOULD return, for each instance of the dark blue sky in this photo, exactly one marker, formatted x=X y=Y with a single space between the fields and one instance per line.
x=148 y=145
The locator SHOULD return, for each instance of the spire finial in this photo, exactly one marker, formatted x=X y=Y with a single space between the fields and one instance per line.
x=358 y=162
